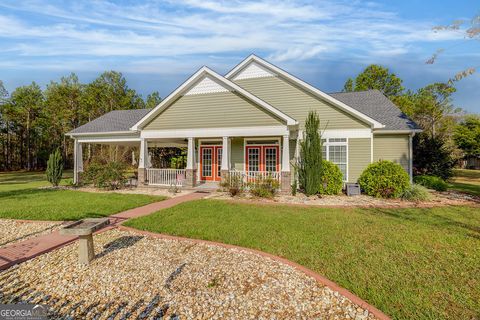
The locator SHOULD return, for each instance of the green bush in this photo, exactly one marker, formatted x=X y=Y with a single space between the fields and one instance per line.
x=431 y=182
x=309 y=164
x=264 y=187
x=233 y=184
x=110 y=175
x=416 y=192
x=384 y=179
x=55 y=168
x=331 y=178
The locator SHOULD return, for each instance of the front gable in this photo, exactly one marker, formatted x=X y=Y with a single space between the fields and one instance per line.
x=207 y=103
x=297 y=103
x=296 y=97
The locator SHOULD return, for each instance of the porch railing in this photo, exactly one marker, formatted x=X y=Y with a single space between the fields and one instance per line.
x=165 y=177
x=251 y=176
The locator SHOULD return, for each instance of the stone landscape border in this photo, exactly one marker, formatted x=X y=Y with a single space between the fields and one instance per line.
x=321 y=279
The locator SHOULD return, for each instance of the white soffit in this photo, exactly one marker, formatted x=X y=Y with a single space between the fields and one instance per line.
x=254 y=70
x=206 y=85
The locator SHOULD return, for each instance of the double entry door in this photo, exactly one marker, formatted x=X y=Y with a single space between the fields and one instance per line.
x=210 y=163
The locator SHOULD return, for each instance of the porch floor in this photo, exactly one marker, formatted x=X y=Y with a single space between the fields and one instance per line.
x=208 y=185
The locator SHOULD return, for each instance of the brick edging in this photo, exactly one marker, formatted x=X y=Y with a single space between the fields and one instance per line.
x=321 y=279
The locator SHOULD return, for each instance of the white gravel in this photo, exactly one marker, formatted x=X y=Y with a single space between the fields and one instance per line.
x=437 y=199
x=146 y=277
x=12 y=231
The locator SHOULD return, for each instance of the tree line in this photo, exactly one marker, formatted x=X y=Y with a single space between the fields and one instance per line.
x=449 y=134
x=33 y=122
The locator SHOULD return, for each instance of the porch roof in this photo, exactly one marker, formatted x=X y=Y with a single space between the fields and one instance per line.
x=116 y=121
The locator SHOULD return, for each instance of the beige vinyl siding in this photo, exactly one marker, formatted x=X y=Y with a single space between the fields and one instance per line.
x=236 y=153
x=296 y=103
x=212 y=110
x=359 y=157
x=391 y=147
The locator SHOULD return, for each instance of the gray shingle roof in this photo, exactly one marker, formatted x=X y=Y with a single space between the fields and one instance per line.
x=371 y=103
x=114 y=121
x=378 y=107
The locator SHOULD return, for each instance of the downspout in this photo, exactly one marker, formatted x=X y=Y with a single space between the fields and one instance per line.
x=410 y=156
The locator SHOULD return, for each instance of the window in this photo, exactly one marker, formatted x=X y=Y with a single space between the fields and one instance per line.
x=335 y=150
x=219 y=162
x=271 y=159
x=207 y=162
x=253 y=159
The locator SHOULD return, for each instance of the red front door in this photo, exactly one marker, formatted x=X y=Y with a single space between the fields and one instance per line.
x=210 y=163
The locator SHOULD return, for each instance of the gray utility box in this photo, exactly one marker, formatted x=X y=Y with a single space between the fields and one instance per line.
x=353 y=189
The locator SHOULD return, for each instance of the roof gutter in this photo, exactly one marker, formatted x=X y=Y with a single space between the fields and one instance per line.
x=109 y=133
x=381 y=131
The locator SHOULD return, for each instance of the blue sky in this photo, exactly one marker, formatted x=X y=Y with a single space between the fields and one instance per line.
x=158 y=44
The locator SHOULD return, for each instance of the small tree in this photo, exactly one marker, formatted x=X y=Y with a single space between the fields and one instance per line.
x=309 y=166
x=55 y=168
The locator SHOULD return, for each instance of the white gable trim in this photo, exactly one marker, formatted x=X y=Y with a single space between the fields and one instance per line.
x=253 y=70
x=254 y=59
x=203 y=72
x=206 y=85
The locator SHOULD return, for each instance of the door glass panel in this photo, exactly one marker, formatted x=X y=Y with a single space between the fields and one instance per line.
x=270 y=159
x=207 y=162
x=254 y=159
x=219 y=162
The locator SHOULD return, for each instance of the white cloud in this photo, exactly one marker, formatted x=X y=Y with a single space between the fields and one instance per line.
x=289 y=30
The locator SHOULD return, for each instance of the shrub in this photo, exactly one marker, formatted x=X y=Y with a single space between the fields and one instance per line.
x=384 y=179
x=233 y=184
x=309 y=164
x=264 y=187
x=431 y=182
x=331 y=178
x=416 y=192
x=110 y=175
x=294 y=187
x=54 y=168
x=432 y=156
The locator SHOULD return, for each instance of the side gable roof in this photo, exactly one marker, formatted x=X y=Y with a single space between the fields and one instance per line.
x=374 y=104
x=320 y=94
x=193 y=80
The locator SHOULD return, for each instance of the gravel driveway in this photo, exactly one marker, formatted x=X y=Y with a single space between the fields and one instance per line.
x=12 y=231
x=145 y=277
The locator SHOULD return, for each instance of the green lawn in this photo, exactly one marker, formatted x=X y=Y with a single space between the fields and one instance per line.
x=411 y=263
x=21 y=198
x=466 y=180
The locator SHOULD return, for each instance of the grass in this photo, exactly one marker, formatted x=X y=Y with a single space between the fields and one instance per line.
x=466 y=180
x=22 y=198
x=414 y=263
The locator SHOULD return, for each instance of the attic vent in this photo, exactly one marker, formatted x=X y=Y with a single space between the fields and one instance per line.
x=207 y=85
x=253 y=70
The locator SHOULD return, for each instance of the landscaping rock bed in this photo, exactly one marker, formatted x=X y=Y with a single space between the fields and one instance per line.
x=140 y=277
x=438 y=199
x=12 y=231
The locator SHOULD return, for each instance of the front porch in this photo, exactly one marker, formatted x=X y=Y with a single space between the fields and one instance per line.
x=208 y=160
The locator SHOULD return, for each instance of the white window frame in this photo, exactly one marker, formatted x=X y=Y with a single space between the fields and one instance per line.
x=327 y=144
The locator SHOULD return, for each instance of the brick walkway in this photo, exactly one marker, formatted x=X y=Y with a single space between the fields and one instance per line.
x=30 y=248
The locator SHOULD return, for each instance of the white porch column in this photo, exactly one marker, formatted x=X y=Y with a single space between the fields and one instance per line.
x=225 y=154
x=143 y=156
x=191 y=154
x=286 y=154
x=142 y=161
x=286 y=178
x=80 y=158
x=190 y=170
x=77 y=161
